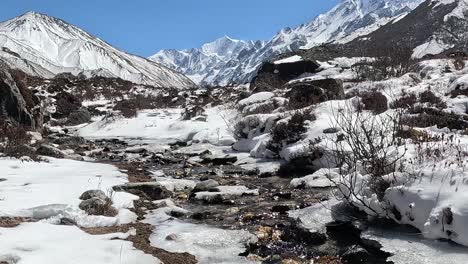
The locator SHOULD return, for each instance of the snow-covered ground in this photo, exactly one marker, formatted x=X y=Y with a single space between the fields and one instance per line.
x=33 y=243
x=49 y=191
x=163 y=126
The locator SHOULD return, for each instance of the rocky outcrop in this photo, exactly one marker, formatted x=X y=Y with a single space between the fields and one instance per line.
x=18 y=104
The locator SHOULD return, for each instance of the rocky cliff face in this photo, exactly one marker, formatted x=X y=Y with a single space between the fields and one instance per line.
x=17 y=103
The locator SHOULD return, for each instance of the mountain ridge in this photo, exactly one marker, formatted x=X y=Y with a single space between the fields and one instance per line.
x=43 y=45
x=345 y=22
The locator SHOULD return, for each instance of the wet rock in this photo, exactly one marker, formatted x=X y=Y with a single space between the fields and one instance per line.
x=201 y=215
x=93 y=194
x=331 y=130
x=136 y=150
x=205 y=186
x=282 y=209
x=283 y=195
x=152 y=190
x=50 y=151
x=209 y=159
x=179 y=144
x=172 y=237
x=355 y=255
x=67 y=222
x=69 y=141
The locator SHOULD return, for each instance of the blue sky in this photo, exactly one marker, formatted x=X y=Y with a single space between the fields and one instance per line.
x=145 y=26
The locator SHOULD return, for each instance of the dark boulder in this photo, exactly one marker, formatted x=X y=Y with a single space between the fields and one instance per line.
x=313 y=92
x=150 y=190
x=273 y=76
x=79 y=117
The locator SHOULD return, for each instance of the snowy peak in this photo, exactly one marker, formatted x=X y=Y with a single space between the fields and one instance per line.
x=233 y=61
x=42 y=45
x=224 y=47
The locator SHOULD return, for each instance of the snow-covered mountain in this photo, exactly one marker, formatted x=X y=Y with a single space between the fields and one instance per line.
x=347 y=21
x=46 y=46
x=204 y=63
x=437 y=26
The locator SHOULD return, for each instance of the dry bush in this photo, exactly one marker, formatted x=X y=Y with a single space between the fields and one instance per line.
x=427 y=117
x=242 y=127
x=15 y=140
x=389 y=63
x=302 y=164
x=405 y=101
x=370 y=146
x=284 y=133
x=433 y=100
x=66 y=104
x=130 y=107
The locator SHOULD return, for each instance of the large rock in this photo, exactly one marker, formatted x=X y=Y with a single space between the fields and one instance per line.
x=50 y=151
x=17 y=104
x=205 y=186
x=273 y=76
x=79 y=117
x=304 y=94
x=93 y=194
x=151 y=190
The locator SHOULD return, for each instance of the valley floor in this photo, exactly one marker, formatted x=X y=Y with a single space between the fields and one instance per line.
x=245 y=214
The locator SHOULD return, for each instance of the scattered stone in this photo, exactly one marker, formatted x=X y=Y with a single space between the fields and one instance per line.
x=226 y=160
x=50 y=151
x=93 y=194
x=331 y=130
x=355 y=254
x=172 y=237
x=67 y=222
x=35 y=136
x=205 y=186
x=202 y=118
x=152 y=190
x=282 y=209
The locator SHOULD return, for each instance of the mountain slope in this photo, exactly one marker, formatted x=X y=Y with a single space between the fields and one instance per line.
x=46 y=46
x=347 y=21
x=436 y=26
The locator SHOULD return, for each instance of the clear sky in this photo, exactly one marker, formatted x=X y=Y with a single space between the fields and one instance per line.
x=145 y=26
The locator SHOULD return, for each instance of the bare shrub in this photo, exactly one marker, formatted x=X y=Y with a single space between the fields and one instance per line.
x=370 y=146
x=427 y=117
x=433 y=100
x=407 y=100
x=15 y=140
x=284 y=133
x=389 y=63
x=242 y=127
